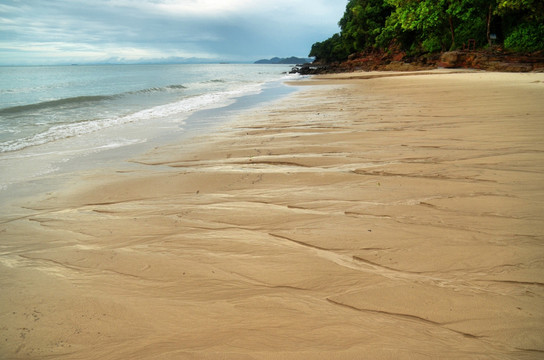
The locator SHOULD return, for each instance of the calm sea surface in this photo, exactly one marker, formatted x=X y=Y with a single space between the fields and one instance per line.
x=51 y=114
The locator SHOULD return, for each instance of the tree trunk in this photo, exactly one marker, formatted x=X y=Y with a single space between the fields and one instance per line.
x=488 y=33
x=452 y=31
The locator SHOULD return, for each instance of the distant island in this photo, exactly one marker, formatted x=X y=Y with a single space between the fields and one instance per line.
x=289 y=60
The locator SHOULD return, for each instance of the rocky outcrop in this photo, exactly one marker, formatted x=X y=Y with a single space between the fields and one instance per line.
x=491 y=61
x=310 y=69
x=399 y=61
x=449 y=59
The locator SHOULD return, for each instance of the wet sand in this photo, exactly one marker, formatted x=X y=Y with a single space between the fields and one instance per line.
x=396 y=217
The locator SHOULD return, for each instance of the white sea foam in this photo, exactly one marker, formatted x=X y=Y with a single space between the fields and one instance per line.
x=59 y=120
x=182 y=107
x=294 y=76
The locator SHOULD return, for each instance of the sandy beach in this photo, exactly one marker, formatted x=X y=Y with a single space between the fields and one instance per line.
x=367 y=216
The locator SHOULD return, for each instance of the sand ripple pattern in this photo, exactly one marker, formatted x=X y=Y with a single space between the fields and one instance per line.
x=381 y=218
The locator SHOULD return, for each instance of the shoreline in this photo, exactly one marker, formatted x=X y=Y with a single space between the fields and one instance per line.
x=390 y=216
x=67 y=159
x=457 y=59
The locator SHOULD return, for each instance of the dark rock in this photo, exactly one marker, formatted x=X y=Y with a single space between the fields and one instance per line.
x=450 y=59
x=309 y=69
x=491 y=60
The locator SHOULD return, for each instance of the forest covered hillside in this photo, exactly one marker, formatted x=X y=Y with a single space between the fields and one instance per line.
x=416 y=27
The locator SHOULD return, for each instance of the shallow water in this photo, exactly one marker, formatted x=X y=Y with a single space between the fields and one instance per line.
x=68 y=118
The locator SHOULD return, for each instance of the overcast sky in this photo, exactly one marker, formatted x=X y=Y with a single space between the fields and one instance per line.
x=80 y=31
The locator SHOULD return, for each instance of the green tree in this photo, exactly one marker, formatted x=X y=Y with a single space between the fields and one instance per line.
x=362 y=23
x=522 y=24
x=533 y=8
x=332 y=49
x=434 y=21
x=470 y=19
x=526 y=37
x=432 y=25
x=444 y=24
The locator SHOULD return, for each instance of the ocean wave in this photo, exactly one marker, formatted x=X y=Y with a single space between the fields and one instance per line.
x=156 y=89
x=82 y=100
x=294 y=76
x=73 y=101
x=185 y=106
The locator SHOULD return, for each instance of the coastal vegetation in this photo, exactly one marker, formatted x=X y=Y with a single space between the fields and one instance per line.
x=418 y=27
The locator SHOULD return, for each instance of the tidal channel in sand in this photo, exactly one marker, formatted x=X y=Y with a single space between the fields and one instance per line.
x=366 y=217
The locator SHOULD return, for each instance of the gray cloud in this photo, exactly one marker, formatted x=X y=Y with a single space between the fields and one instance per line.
x=74 y=30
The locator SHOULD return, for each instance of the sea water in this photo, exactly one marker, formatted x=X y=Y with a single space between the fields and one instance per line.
x=53 y=115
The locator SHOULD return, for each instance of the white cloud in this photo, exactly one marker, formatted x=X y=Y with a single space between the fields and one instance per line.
x=73 y=52
x=130 y=29
x=204 y=7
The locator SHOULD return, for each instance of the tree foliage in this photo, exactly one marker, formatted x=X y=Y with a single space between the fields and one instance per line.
x=332 y=49
x=362 y=23
x=526 y=37
x=420 y=26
